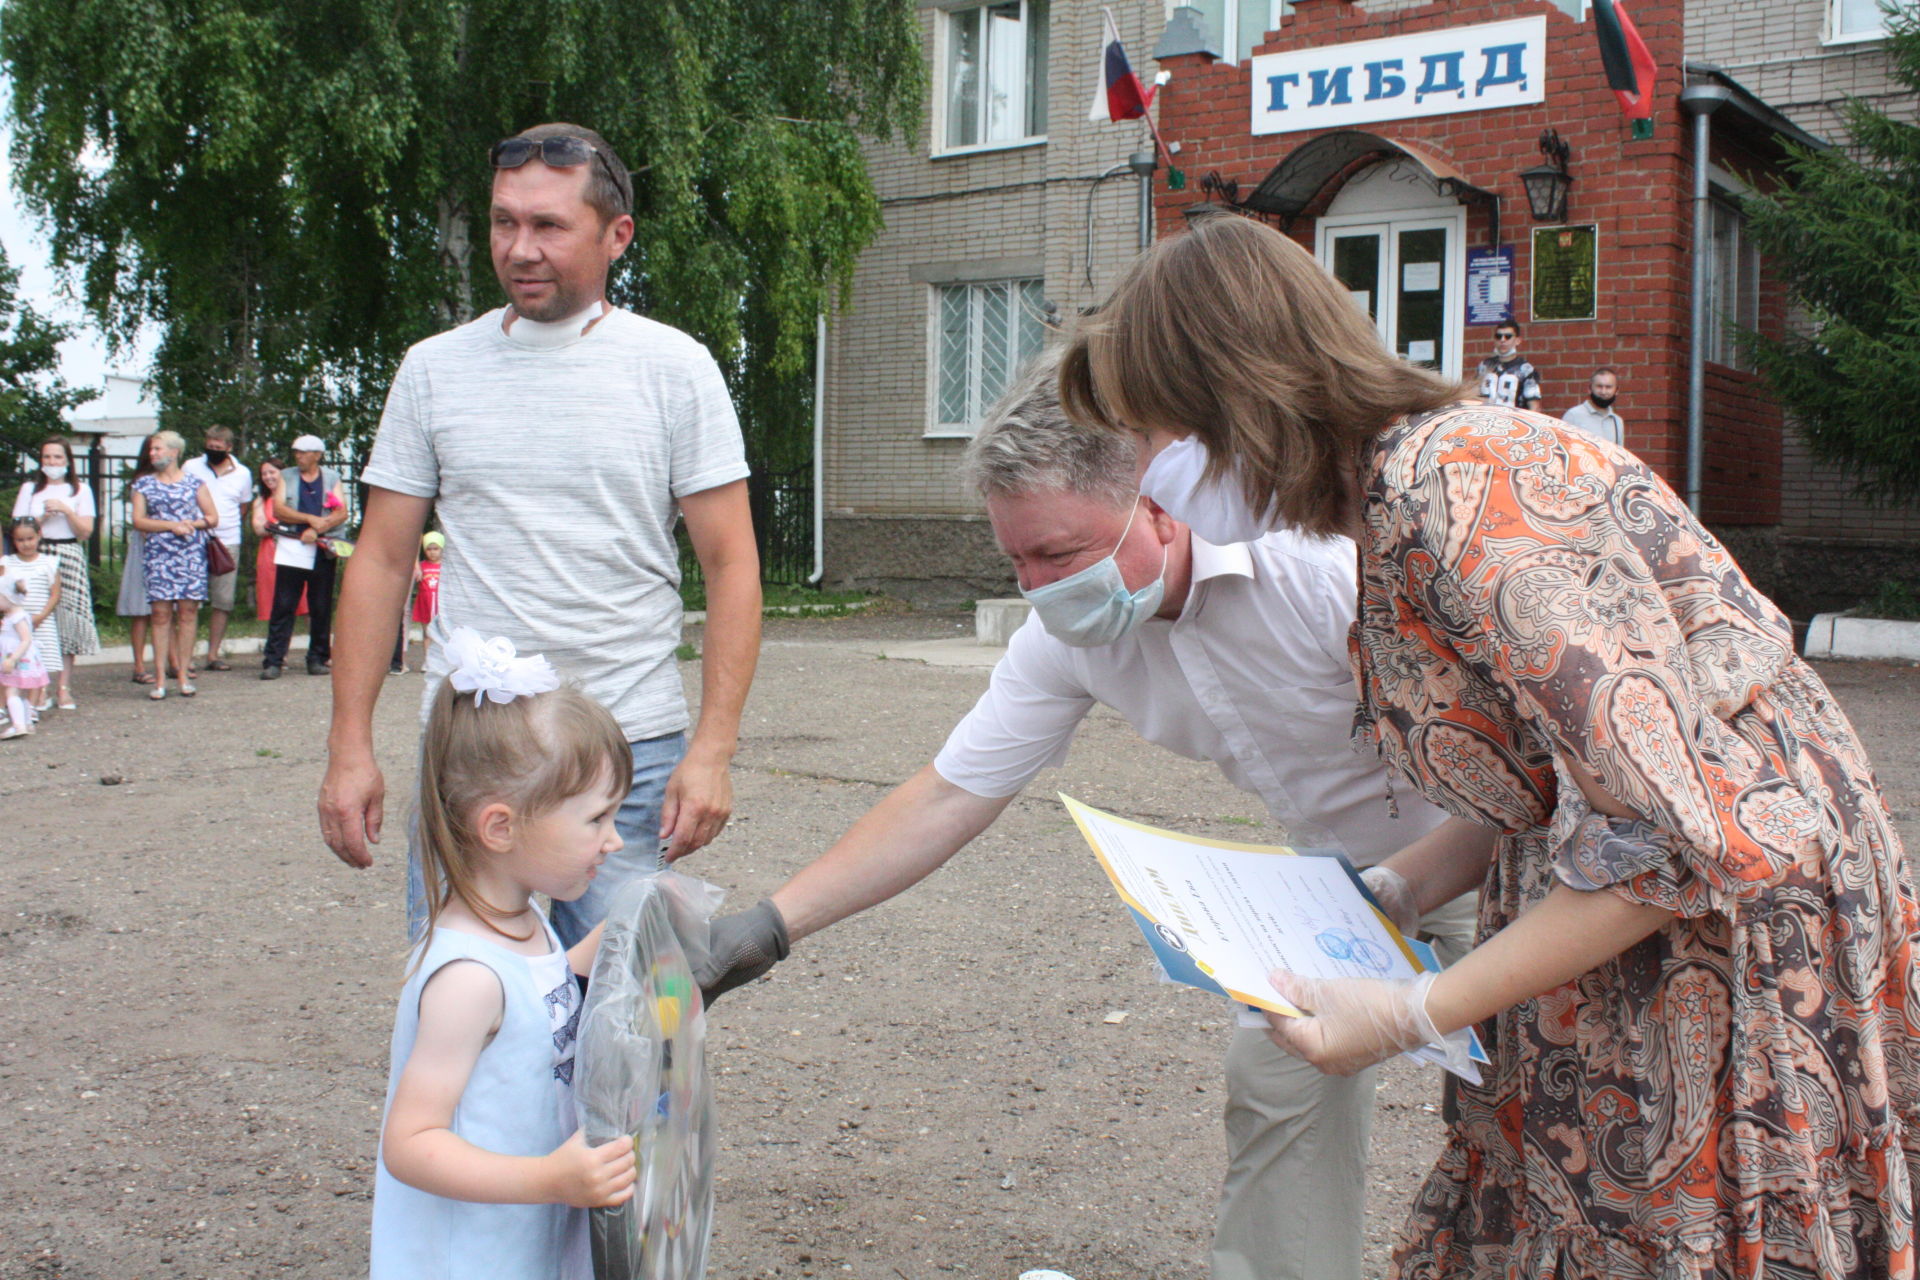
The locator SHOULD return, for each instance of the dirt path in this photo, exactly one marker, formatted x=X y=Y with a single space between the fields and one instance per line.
x=193 y=1032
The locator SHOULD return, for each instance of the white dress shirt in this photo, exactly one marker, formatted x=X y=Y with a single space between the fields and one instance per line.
x=1253 y=675
x=231 y=493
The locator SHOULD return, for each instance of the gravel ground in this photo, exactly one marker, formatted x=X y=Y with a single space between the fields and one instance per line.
x=193 y=1035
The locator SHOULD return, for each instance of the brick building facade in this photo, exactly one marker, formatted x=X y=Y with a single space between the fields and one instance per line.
x=1298 y=125
x=997 y=226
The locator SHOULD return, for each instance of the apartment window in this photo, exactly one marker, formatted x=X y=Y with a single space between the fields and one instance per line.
x=996 y=90
x=986 y=332
x=1241 y=24
x=1855 y=20
x=1733 y=284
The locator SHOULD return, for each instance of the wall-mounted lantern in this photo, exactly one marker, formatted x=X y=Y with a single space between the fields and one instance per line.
x=1547 y=184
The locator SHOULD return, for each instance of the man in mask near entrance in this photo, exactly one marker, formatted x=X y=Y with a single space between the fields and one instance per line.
x=1235 y=654
x=1595 y=414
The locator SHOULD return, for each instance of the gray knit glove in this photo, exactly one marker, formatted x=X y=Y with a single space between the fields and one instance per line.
x=744 y=946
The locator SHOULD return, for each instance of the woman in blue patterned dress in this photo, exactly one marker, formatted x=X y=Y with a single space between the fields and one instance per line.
x=174 y=510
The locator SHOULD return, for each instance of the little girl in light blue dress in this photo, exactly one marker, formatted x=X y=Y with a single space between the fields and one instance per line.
x=483 y=1171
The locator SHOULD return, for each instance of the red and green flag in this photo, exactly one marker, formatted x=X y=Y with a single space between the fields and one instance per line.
x=1629 y=65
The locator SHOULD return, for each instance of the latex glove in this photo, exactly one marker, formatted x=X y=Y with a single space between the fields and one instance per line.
x=1352 y=1023
x=1395 y=896
x=743 y=947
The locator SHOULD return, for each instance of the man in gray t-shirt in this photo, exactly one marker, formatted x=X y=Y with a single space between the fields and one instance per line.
x=556 y=440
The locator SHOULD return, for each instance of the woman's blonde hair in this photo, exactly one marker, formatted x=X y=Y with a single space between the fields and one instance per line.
x=1234 y=334
x=173 y=440
x=532 y=754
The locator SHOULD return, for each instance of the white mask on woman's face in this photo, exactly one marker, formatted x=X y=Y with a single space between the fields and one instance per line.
x=53 y=472
x=1217 y=510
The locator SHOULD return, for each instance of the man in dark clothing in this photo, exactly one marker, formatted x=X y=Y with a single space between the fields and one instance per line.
x=311 y=497
x=1506 y=377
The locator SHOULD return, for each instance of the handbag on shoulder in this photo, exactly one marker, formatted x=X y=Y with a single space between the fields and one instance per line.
x=219 y=559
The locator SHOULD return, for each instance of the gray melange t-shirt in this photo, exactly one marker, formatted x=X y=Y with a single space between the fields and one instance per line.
x=557 y=474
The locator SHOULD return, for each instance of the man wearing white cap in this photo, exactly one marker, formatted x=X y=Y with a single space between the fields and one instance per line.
x=312 y=499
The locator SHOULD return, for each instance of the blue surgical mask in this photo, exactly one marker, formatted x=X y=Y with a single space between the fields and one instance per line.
x=1094 y=607
x=1215 y=509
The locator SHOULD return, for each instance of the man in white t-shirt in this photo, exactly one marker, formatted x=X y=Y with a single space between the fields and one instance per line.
x=557 y=440
x=1237 y=656
x=232 y=487
x=1595 y=414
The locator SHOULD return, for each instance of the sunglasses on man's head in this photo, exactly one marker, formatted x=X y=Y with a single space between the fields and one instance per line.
x=557 y=153
x=1505 y=337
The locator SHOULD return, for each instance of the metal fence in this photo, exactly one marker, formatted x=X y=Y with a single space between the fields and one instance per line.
x=781 y=503
x=783 y=524
x=109 y=479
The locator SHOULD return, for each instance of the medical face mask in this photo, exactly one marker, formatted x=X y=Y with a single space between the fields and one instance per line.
x=1094 y=607
x=1217 y=510
x=54 y=473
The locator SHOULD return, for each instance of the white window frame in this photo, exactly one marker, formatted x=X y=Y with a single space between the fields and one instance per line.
x=1389 y=224
x=1225 y=16
x=1832 y=34
x=942 y=65
x=1719 y=343
x=979 y=397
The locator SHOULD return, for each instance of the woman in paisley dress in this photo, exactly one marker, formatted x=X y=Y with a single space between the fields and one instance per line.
x=173 y=510
x=1696 y=974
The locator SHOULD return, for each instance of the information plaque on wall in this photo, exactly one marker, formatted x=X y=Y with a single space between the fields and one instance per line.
x=1566 y=269
x=1490 y=285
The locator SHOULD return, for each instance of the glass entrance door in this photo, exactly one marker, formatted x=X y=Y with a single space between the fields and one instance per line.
x=1405 y=274
x=1357 y=256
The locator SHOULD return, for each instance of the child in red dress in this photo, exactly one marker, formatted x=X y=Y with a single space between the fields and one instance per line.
x=426 y=578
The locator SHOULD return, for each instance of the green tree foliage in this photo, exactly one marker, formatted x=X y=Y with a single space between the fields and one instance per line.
x=294 y=191
x=1845 y=234
x=31 y=392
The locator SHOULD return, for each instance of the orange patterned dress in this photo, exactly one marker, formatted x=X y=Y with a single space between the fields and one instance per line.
x=1736 y=1094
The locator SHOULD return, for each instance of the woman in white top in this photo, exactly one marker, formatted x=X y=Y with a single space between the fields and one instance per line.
x=64 y=506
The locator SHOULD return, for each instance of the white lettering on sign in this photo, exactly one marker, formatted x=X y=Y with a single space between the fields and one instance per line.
x=1496 y=64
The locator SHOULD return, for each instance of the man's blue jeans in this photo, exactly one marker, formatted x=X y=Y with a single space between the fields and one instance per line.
x=654 y=760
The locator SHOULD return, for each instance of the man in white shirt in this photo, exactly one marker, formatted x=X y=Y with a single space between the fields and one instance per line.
x=1595 y=414
x=1242 y=661
x=557 y=440
x=232 y=487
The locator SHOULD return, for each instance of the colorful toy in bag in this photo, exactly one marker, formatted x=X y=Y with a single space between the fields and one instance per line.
x=641 y=1070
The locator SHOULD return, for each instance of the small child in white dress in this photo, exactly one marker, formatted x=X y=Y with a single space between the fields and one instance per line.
x=20 y=666
x=41 y=574
x=483 y=1170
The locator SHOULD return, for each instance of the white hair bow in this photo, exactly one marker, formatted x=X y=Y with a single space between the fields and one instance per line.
x=492 y=669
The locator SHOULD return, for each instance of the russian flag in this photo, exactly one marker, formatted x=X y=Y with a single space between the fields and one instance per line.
x=1629 y=65
x=1119 y=95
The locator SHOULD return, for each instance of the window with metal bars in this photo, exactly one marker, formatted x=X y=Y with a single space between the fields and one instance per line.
x=985 y=332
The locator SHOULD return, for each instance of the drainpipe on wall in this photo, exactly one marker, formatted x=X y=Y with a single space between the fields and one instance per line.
x=1143 y=164
x=1700 y=100
x=819 y=450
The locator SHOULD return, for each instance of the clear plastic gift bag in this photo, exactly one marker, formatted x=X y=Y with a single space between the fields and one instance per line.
x=641 y=1070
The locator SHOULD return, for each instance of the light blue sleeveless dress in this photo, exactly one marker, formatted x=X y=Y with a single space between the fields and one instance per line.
x=518 y=1102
